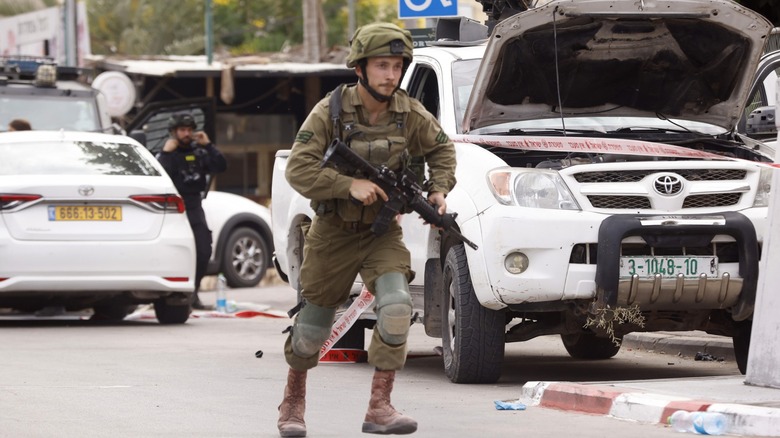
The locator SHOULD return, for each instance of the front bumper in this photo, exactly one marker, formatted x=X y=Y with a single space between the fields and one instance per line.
x=724 y=291
x=550 y=240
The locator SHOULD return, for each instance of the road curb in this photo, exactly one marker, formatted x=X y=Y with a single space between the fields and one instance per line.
x=685 y=344
x=628 y=404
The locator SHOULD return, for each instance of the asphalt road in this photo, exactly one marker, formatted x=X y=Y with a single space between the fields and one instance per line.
x=68 y=377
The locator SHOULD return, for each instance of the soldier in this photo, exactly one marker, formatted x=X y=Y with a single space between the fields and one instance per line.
x=189 y=156
x=385 y=126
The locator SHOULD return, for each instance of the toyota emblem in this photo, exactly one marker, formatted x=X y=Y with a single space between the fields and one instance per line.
x=86 y=190
x=668 y=185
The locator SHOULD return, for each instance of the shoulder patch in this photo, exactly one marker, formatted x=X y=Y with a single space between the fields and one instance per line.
x=304 y=136
x=441 y=137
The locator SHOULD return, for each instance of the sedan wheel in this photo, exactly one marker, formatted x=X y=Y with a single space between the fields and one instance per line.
x=171 y=313
x=112 y=311
x=472 y=335
x=245 y=259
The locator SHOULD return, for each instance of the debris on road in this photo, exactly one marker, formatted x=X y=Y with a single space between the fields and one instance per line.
x=508 y=405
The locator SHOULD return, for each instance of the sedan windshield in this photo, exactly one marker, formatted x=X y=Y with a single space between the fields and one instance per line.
x=74 y=158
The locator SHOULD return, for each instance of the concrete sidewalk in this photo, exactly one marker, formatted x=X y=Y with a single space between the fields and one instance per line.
x=751 y=410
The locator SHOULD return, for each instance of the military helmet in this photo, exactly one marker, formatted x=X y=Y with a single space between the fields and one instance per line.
x=379 y=39
x=180 y=119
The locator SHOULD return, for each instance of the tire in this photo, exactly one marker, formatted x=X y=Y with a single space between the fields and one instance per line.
x=245 y=258
x=588 y=346
x=472 y=335
x=171 y=313
x=112 y=312
x=741 y=340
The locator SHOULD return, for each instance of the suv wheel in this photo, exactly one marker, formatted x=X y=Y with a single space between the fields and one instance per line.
x=245 y=258
x=472 y=335
x=589 y=346
x=171 y=313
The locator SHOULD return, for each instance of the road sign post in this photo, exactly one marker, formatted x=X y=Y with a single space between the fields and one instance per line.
x=427 y=8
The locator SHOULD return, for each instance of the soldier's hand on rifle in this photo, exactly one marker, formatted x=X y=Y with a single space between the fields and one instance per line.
x=366 y=191
x=437 y=199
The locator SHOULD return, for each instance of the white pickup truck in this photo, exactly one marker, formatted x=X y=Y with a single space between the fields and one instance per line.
x=600 y=174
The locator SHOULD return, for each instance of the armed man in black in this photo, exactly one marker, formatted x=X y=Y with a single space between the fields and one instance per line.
x=189 y=156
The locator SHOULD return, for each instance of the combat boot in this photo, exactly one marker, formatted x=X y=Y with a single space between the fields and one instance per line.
x=382 y=418
x=293 y=405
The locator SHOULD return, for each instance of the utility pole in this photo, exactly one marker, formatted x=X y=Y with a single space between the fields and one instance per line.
x=71 y=49
x=209 y=33
x=312 y=30
x=351 y=19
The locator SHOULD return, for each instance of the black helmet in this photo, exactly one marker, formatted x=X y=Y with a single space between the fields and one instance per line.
x=181 y=119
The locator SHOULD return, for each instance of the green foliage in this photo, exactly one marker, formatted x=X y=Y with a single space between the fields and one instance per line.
x=153 y=27
x=13 y=7
x=146 y=27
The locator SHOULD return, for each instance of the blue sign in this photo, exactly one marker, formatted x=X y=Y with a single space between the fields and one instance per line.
x=427 y=8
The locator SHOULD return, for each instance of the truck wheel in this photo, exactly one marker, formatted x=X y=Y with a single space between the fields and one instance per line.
x=245 y=258
x=171 y=313
x=588 y=346
x=741 y=340
x=472 y=335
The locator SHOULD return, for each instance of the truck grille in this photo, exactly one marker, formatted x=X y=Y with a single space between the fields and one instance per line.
x=638 y=175
x=643 y=202
x=712 y=200
x=727 y=252
x=658 y=189
x=620 y=202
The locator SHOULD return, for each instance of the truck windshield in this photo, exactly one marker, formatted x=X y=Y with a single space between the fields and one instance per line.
x=464 y=73
x=50 y=112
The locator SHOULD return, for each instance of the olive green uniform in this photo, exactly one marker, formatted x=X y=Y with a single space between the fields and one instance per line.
x=339 y=244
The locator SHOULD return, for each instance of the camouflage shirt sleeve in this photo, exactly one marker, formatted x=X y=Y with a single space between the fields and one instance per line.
x=426 y=137
x=303 y=170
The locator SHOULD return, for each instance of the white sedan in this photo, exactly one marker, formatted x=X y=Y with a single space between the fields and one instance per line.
x=91 y=221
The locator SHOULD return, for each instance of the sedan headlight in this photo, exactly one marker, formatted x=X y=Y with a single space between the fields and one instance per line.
x=533 y=188
x=764 y=187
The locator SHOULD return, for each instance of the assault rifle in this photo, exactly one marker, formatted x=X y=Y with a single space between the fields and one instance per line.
x=401 y=189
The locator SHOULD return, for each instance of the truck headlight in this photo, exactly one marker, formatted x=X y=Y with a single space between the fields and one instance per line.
x=764 y=187
x=533 y=188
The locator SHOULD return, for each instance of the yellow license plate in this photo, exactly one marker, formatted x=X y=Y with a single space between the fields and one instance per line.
x=85 y=213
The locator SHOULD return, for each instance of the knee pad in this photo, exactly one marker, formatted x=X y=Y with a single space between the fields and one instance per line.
x=393 y=308
x=311 y=329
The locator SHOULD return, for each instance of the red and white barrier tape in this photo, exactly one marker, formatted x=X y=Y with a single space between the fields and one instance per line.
x=347 y=319
x=591 y=145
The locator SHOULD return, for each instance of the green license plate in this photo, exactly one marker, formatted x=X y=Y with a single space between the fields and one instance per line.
x=668 y=267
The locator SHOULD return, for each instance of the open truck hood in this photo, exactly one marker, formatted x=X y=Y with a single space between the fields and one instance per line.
x=679 y=59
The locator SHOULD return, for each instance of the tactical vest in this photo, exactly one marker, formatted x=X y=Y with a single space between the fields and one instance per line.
x=376 y=144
